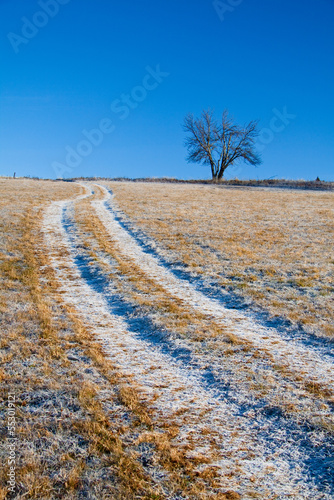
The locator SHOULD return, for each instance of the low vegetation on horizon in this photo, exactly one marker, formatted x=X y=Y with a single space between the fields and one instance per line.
x=316 y=184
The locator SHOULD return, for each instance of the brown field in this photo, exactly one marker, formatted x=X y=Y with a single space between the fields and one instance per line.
x=132 y=380
x=272 y=247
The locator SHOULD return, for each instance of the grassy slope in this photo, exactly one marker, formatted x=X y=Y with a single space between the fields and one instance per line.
x=81 y=429
x=273 y=248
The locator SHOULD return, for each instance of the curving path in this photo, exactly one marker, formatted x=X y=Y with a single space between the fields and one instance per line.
x=251 y=459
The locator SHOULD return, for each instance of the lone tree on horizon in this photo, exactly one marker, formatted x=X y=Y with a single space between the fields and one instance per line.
x=220 y=144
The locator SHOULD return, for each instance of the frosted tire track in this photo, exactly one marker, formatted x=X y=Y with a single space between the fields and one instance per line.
x=213 y=369
x=292 y=355
x=177 y=389
x=167 y=259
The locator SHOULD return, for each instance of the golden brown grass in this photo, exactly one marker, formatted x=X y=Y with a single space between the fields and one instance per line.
x=132 y=283
x=81 y=422
x=172 y=314
x=72 y=438
x=273 y=247
x=145 y=291
x=36 y=361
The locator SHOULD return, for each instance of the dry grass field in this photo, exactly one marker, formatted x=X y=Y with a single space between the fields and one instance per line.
x=273 y=247
x=165 y=341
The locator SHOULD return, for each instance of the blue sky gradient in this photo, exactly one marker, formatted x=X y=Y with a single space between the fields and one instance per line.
x=132 y=70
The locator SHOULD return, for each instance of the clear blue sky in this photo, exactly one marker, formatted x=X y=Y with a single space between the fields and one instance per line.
x=257 y=58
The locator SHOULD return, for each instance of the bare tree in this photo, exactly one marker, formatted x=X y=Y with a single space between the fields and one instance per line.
x=220 y=144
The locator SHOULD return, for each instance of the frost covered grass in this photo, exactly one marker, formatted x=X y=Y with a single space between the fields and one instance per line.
x=271 y=247
x=144 y=288
x=132 y=384
x=71 y=421
x=82 y=428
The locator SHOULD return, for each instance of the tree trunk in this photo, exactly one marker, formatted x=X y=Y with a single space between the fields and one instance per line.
x=213 y=170
x=221 y=172
x=214 y=175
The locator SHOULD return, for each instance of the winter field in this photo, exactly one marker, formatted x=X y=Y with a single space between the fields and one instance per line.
x=166 y=341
